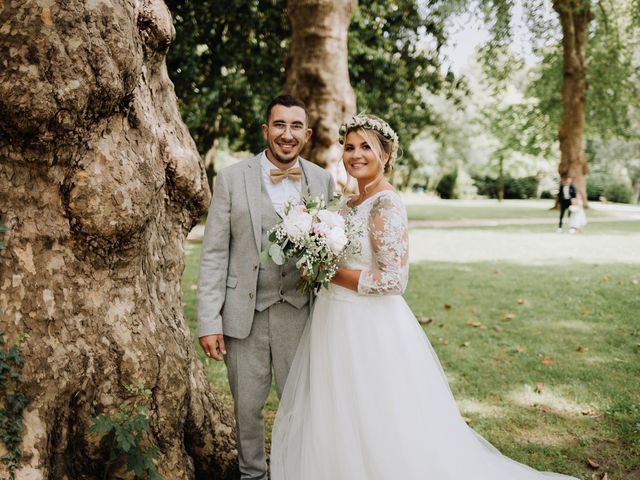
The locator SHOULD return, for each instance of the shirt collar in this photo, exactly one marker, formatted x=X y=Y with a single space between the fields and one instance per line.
x=267 y=165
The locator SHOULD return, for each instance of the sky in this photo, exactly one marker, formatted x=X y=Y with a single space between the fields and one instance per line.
x=467 y=32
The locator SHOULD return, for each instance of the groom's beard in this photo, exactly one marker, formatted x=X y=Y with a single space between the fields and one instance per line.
x=286 y=161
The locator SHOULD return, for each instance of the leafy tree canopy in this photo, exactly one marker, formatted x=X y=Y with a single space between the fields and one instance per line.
x=229 y=57
x=227 y=63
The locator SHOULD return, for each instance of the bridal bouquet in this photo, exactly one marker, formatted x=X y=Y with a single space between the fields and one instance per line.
x=317 y=236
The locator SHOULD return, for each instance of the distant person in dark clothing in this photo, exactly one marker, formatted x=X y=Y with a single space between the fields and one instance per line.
x=566 y=197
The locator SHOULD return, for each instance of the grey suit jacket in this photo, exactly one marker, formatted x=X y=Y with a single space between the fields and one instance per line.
x=230 y=256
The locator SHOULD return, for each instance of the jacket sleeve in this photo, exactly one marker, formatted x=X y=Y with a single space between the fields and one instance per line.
x=214 y=260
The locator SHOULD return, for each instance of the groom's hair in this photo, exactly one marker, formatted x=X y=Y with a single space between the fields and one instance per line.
x=287 y=101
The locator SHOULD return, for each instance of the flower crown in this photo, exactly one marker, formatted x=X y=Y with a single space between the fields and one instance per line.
x=367 y=122
x=370 y=123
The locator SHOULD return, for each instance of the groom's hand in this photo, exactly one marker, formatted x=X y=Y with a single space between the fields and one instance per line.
x=213 y=346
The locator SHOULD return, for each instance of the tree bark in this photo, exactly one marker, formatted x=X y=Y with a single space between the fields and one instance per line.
x=575 y=16
x=100 y=183
x=317 y=71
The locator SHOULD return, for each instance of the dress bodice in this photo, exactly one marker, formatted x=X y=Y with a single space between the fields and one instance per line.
x=381 y=223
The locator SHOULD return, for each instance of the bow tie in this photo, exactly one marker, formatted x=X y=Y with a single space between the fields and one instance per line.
x=277 y=175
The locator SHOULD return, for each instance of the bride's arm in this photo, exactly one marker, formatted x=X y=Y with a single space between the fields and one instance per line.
x=389 y=234
x=347 y=278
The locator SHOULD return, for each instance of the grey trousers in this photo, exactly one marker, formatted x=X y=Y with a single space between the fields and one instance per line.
x=271 y=344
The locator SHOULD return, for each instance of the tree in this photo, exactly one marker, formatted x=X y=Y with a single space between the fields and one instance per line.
x=395 y=67
x=575 y=16
x=393 y=59
x=227 y=64
x=586 y=32
x=317 y=70
x=99 y=184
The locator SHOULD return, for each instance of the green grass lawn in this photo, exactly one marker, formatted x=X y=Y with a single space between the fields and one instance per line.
x=487 y=209
x=607 y=227
x=544 y=359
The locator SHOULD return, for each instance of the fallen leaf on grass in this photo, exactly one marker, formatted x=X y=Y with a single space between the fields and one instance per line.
x=581 y=349
x=547 y=361
x=467 y=420
x=600 y=476
x=522 y=301
x=593 y=463
x=447 y=306
x=425 y=320
x=544 y=408
x=539 y=388
x=508 y=316
x=474 y=323
x=520 y=349
x=443 y=341
x=589 y=412
x=586 y=312
x=465 y=344
x=498 y=328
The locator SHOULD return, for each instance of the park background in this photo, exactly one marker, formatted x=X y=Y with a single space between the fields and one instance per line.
x=538 y=332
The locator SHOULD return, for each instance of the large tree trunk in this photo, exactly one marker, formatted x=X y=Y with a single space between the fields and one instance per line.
x=100 y=183
x=575 y=16
x=317 y=71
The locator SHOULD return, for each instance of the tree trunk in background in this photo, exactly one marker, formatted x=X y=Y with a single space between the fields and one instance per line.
x=575 y=16
x=100 y=183
x=317 y=71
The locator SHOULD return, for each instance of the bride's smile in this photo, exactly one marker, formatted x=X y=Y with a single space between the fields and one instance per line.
x=360 y=160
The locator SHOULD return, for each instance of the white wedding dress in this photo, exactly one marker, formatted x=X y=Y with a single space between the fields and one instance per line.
x=366 y=397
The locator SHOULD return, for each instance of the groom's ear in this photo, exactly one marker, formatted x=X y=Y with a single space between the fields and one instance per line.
x=307 y=134
x=265 y=130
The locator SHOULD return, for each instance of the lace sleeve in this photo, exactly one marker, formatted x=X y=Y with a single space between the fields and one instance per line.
x=389 y=234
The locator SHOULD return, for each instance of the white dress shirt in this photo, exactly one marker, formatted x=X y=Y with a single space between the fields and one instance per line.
x=285 y=190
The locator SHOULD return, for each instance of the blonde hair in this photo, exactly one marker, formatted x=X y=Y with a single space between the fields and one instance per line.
x=379 y=136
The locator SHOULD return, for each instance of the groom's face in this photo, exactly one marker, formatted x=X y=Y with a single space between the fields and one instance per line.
x=286 y=134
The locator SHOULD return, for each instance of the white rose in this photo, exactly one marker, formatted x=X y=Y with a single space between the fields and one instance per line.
x=321 y=228
x=331 y=219
x=336 y=240
x=297 y=222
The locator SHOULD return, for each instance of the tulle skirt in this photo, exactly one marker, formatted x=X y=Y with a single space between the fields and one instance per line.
x=366 y=399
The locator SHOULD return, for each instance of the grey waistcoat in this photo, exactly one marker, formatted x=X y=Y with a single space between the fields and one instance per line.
x=276 y=283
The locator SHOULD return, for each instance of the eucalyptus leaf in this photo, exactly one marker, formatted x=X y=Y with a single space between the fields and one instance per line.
x=276 y=254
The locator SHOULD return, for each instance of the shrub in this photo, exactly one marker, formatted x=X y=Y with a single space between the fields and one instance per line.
x=520 y=188
x=514 y=188
x=614 y=189
x=596 y=184
x=446 y=187
x=486 y=186
x=618 y=191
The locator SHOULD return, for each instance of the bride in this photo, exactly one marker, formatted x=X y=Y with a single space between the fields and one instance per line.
x=366 y=398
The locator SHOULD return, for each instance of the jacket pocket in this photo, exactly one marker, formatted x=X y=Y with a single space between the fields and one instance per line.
x=232 y=282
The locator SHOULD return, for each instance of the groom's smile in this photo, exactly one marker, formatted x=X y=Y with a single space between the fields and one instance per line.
x=286 y=134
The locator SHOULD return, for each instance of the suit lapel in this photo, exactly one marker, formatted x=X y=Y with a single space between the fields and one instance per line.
x=313 y=183
x=253 y=186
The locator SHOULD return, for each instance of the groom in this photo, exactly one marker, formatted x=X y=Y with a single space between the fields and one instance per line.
x=249 y=312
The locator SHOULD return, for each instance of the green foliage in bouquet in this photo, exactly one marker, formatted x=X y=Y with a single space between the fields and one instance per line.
x=316 y=236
